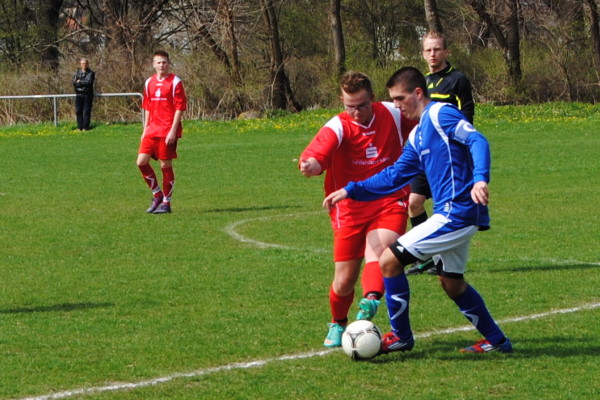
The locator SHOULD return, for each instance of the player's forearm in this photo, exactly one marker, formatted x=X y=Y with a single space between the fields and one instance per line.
x=480 y=153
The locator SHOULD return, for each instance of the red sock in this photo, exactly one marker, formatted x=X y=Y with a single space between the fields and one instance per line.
x=340 y=305
x=150 y=178
x=372 y=279
x=168 y=183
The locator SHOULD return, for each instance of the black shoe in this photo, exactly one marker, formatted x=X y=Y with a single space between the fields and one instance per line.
x=419 y=268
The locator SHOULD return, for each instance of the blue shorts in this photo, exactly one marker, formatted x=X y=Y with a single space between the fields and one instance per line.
x=441 y=239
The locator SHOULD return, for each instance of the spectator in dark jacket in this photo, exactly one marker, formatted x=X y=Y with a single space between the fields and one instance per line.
x=83 y=82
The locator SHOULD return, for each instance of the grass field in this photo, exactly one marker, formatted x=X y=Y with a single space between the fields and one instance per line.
x=99 y=300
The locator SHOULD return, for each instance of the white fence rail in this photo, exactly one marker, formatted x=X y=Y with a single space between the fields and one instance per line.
x=55 y=98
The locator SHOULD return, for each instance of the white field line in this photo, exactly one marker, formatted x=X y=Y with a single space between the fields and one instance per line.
x=559 y=261
x=259 y=363
x=231 y=230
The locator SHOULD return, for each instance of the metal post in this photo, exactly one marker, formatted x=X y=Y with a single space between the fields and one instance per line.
x=55 y=112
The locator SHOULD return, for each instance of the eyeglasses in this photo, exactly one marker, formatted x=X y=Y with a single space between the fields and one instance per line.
x=359 y=107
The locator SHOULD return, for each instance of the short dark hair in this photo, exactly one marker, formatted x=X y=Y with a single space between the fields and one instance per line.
x=161 y=53
x=410 y=78
x=353 y=82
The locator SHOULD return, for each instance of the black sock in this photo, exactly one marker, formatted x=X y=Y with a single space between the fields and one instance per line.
x=419 y=219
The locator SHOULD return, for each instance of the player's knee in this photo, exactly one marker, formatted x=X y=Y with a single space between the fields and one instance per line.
x=453 y=287
x=389 y=263
x=343 y=287
x=416 y=207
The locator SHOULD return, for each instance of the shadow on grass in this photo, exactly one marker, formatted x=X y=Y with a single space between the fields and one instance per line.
x=448 y=350
x=65 y=307
x=242 y=209
x=545 y=268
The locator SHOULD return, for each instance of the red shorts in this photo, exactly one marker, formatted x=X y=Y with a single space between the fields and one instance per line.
x=158 y=149
x=349 y=242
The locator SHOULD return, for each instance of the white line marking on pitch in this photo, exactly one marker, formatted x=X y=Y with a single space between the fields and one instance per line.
x=231 y=230
x=559 y=261
x=259 y=363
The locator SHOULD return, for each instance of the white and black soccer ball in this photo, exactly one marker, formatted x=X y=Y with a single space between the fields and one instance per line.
x=361 y=340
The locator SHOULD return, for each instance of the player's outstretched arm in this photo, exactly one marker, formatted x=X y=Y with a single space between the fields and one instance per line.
x=334 y=198
x=480 y=193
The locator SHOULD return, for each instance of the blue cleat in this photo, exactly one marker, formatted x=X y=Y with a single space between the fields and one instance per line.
x=367 y=308
x=334 y=337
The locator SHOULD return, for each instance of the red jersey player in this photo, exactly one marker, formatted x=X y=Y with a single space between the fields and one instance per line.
x=352 y=146
x=164 y=103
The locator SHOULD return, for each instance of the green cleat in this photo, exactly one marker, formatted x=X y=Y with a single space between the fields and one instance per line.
x=367 y=308
x=334 y=337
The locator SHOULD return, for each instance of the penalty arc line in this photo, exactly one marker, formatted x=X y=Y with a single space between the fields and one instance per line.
x=259 y=363
x=231 y=230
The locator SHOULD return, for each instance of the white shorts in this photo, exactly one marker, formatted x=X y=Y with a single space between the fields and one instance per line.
x=440 y=239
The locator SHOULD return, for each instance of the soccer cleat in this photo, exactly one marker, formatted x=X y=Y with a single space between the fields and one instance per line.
x=391 y=342
x=156 y=201
x=334 y=337
x=367 y=308
x=432 y=271
x=484 y=346
x=164 y=208
x=419 y=268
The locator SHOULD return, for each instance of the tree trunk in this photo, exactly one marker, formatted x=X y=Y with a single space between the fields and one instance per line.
x=49 y=34
x=212 y=44
x=432 y=16
x=339 y=48
x=229 y=19
x=281 y=91
x=506 y=36
x=595 y=29
x=513 y=52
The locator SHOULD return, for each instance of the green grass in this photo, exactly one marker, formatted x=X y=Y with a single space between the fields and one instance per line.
x=94 y=291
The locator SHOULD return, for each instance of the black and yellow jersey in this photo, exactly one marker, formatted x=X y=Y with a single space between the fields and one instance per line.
x=452 y=86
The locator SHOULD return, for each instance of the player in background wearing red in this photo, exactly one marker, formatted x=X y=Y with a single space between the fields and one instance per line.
x=164 y=103
x=356 y=144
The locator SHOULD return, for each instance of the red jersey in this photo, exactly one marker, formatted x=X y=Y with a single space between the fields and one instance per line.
x=349 y=151
x=162 y=97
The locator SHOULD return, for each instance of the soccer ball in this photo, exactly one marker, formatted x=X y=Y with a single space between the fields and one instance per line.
x=361 y=340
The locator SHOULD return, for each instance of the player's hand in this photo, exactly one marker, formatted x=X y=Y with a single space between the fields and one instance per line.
x=334 y=198
x=310 y=167
x=479 y=193
x=170 y=139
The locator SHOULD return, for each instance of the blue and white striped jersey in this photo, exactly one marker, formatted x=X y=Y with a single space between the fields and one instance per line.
x=453 y=155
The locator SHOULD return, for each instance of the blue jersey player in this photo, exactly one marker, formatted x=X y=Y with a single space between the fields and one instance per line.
x=456 y=160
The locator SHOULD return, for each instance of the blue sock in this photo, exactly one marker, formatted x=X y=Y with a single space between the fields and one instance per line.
x=397 y=296
x=473 y=308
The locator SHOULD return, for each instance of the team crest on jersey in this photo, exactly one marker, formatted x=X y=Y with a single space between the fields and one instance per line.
x=157 y=93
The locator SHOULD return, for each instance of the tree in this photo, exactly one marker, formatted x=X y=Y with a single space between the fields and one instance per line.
x=432 y=16
x=48 y=33
x=339 y=49
x=595 y=33
x=383 y=28
x=502 y=17
x=281 y=91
